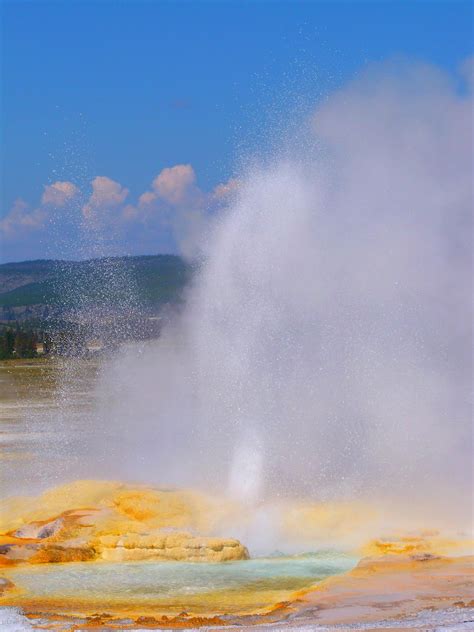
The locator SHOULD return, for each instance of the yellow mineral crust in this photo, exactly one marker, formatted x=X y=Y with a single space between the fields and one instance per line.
x=108 y=520
x=97 y=520
x=177 y=547
x=419 y=545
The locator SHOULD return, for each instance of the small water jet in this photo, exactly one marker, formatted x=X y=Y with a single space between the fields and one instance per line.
x=246 y=469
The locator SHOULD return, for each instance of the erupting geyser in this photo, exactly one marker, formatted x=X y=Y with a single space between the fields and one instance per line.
x=325 y=347
x=237 y=399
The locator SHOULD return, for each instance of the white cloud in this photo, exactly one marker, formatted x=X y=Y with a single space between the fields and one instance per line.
x=175 y=184
x=22 y=219
x=173 y=188
x=173 y=208
x=147 y=198
x=107 y=197
x=59 y=194
x=176 y=203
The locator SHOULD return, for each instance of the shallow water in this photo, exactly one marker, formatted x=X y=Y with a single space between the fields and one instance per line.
x=46 y=411
x=233 y=587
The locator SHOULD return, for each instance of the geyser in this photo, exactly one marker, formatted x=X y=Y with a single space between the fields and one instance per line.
x=325 y=347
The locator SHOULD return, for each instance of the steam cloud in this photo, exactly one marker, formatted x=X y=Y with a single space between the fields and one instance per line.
x=327 y=338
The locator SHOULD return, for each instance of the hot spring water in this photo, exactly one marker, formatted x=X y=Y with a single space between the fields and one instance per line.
x=171 y=588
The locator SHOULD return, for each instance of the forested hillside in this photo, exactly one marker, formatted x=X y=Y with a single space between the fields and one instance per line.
x=51 y=288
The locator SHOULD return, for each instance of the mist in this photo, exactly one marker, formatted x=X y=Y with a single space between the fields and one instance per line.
x=324 y=351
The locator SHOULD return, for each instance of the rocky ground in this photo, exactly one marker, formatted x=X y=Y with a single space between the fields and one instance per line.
x=413 y=582
x=110 y=522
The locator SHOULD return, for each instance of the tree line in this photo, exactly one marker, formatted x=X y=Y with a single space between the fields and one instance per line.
x=72 y=339
x=18 y=343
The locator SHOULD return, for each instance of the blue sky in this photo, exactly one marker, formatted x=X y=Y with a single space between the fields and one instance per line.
x=127 y=89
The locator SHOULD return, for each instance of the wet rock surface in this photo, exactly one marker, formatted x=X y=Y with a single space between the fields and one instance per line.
x=87 y=521
x=109 y=522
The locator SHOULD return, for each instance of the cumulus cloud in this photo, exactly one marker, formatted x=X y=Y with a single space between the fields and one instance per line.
x=59 y=194
x=22 y=219
x=147 y=198
x=175 y=211
x=174 y=184
x=175 y=203
x=172 y=189
x=107 y=196
x=176 y=187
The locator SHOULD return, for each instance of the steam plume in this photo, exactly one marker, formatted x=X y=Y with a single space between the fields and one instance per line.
x=329 y=328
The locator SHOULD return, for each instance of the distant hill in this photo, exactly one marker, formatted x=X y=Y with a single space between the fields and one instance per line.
x=45 y=288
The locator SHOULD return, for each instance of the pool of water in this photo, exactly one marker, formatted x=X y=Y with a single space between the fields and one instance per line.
x=171 y=587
